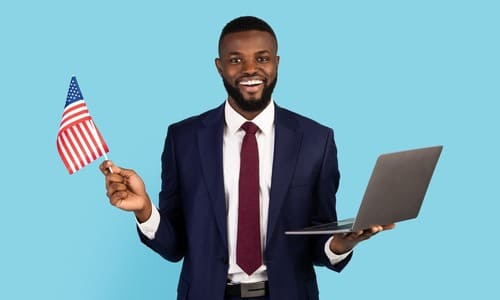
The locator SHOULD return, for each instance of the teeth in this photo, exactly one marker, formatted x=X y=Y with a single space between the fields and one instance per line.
x=251 y=82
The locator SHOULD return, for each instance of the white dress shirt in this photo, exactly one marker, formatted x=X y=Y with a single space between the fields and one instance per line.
x=232 y=140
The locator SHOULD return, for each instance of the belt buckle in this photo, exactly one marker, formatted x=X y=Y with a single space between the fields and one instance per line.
x=257 y=289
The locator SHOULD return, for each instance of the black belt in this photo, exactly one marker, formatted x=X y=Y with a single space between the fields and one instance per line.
x=247 y=290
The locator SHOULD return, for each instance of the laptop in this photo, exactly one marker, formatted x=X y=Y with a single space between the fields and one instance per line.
x=394 y=193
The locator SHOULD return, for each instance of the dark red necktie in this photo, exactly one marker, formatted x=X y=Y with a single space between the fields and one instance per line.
x=248 y=250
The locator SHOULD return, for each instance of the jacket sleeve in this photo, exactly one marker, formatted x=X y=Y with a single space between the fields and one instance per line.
x=170 y=238
x=325 y=211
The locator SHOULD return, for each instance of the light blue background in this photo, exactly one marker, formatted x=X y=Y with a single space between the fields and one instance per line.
x=386 y=75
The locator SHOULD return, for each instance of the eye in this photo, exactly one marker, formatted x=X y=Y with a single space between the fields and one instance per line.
x=263 y=59
x=235 y=60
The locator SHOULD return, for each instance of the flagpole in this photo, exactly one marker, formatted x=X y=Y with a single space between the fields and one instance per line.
x=106 y=158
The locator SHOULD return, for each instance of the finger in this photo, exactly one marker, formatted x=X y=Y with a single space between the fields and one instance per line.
x=369 y=233
x=389 y=226
x=379 y=228
x=375 y=229
x=111 y=193
x=117 y=198
x=104 y=167
x=110 y=179
x=372 y=231
x=353 y=235
x=113 y=187
x=360 y=235
x=357 y=234
x=117 y=187
x=108 y=167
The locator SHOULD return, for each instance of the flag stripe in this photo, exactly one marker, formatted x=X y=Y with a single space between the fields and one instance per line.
x=67 y=155
x=74 y=122
x=89 y=146
x=99 y=140
x=64 y=155
x=74 y=113
x=85 y=155
x=71 y=152
x=92 y=144
x=76 y=148
x=91 y=138
x=66 y=148
x=74 y=108
x=75 y=151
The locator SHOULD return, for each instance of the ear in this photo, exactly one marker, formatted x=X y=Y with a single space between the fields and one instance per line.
x=277 y=60
x=218 y=65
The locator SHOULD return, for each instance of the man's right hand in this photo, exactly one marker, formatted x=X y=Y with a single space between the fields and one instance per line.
x=126 y=190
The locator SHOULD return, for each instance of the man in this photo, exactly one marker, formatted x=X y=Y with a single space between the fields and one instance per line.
x=235 y=178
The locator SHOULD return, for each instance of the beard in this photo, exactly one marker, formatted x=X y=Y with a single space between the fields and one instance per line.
x=251 y=105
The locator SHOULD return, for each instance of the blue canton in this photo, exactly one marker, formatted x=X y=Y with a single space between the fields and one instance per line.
x=74 y=93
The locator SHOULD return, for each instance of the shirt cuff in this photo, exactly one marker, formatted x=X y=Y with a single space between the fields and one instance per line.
x=150 y=226
x=334 y=258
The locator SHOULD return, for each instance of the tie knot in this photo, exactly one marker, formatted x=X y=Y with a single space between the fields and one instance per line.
x=250 y=128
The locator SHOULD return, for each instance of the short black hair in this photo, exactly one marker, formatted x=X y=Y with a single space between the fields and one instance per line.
x=246 y=23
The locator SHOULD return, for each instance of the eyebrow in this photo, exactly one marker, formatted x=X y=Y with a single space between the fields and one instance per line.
x=264 y=52
x=258 y=52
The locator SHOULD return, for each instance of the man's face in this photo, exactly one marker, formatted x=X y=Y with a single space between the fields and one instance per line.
x=248 y=65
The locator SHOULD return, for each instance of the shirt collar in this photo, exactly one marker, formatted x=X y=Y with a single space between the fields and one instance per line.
x=264 y=120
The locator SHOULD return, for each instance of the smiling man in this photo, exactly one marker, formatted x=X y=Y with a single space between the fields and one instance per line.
x=235 y=178
x=248 y=64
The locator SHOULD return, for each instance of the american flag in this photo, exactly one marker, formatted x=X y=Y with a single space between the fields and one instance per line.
x=78 y=140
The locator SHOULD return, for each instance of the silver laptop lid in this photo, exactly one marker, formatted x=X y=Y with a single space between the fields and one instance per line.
x=397 y=187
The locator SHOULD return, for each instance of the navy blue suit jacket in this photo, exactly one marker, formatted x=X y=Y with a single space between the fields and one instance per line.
x=192 y=205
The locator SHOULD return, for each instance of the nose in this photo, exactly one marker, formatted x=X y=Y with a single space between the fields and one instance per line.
x=249 y=66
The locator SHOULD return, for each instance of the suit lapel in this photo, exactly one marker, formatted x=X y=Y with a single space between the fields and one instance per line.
x=210 y=139
x=286 y=149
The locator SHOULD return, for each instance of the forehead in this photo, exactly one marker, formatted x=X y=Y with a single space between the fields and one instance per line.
x=246 y=42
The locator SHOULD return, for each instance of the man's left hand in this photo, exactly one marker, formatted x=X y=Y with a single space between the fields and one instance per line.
x=344 y=242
